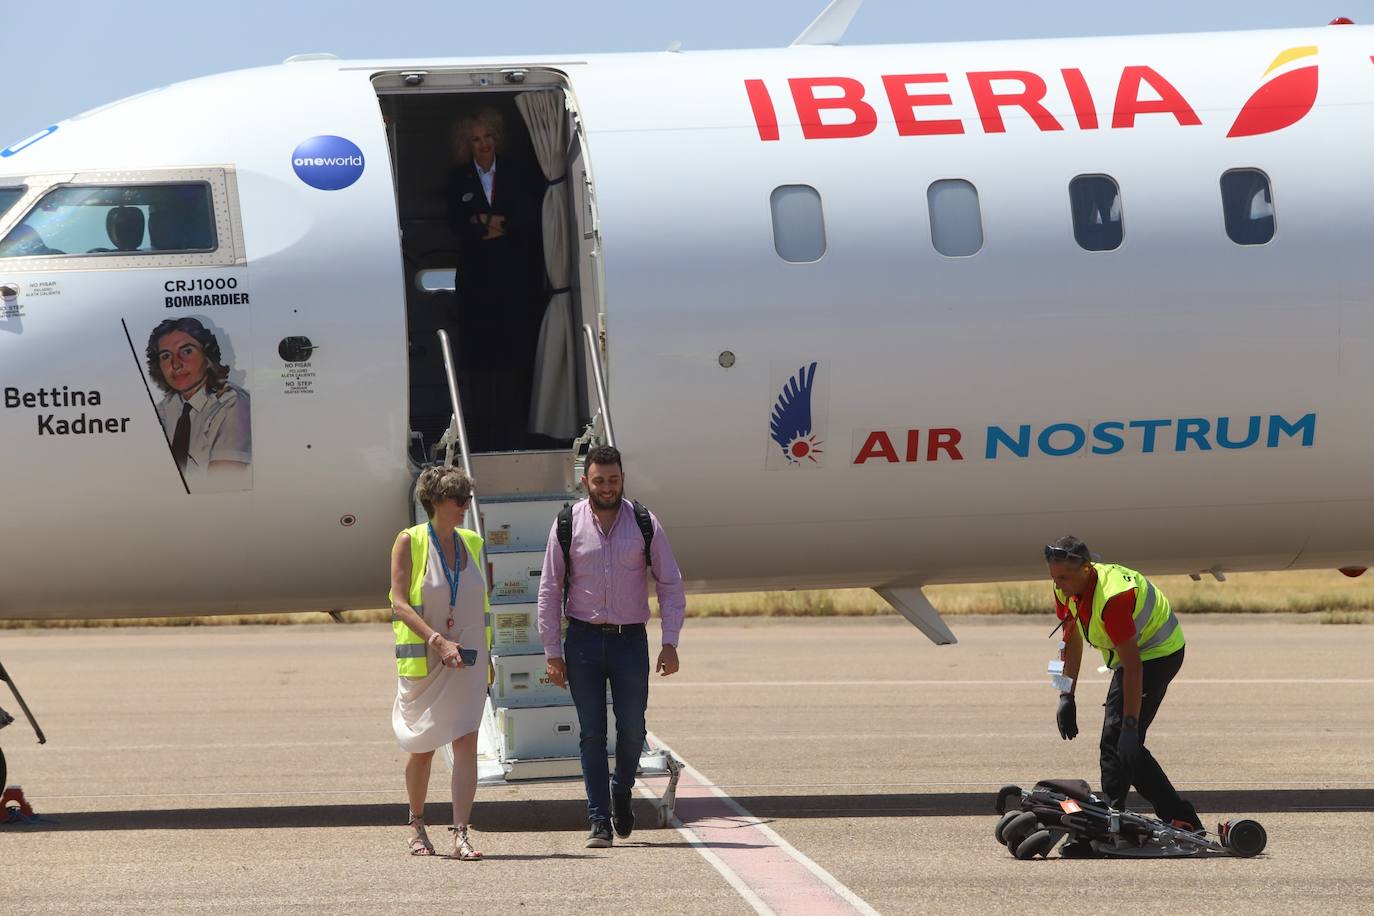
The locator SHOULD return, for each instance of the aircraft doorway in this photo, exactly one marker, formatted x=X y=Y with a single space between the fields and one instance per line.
x=491 y=194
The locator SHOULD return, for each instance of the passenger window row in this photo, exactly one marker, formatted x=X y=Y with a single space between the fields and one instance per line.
x=956 y=221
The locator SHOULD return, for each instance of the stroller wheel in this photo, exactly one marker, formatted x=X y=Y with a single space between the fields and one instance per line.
x=1002 y=822
x=1037 y=844
x=1020 y=827
x=1004 y=795
x=1246 y=838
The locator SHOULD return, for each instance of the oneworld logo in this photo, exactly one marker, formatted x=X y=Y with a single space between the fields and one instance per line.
x=797 y=417
x=327 y=162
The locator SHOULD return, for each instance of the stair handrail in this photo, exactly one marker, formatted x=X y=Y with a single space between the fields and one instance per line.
x=594 y=355
x=456 y=423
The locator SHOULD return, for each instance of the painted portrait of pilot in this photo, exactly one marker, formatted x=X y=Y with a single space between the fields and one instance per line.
x=206 y=417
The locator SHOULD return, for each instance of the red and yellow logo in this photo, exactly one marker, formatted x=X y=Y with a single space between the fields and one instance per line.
x=1283 y=100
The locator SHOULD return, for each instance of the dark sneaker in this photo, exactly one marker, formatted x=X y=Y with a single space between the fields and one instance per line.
x=600 y=836
x=623 y=815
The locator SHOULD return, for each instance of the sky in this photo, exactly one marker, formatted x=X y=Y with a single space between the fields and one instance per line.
x=60 y=59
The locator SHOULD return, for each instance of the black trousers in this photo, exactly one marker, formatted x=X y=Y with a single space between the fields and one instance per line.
x=1149 y=778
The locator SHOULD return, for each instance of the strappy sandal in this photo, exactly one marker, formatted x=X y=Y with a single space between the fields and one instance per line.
x=462 y=844
x=419 y=840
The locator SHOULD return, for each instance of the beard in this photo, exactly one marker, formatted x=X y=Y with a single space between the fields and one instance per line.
x=604 y=505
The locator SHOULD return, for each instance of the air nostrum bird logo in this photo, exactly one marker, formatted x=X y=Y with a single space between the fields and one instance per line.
x=1283 y=100
x=790 y=426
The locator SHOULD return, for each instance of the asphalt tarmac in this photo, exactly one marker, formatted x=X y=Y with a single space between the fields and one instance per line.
x=252 y=769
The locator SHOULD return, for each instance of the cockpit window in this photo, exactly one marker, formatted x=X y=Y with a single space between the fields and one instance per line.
x=7 y=198
x=115 y=220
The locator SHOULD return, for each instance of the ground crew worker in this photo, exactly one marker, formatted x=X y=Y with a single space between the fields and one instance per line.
x=1121 y=613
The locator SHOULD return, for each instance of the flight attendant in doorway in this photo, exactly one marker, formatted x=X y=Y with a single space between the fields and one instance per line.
x=494 y=206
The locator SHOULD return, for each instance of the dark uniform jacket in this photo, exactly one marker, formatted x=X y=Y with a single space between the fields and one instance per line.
x=499 y=281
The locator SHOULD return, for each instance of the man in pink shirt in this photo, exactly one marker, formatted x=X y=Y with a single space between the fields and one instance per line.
x=607 y=609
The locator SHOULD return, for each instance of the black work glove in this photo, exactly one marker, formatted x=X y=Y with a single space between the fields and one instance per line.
x=1128 y=745
x=1066 y=717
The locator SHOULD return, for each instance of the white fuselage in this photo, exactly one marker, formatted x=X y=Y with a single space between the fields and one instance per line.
x=1176 y=326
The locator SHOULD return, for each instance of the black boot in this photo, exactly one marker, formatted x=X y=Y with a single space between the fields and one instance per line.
x=623 y=814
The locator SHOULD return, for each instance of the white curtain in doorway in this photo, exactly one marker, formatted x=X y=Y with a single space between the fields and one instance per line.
x=553 y=404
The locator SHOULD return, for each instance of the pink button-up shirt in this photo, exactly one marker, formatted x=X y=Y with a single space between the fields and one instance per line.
x=609 y=581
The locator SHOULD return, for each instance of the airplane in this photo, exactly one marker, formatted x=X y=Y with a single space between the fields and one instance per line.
x=880 y=316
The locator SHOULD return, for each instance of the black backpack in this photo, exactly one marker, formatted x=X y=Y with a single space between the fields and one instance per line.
x=642 y=519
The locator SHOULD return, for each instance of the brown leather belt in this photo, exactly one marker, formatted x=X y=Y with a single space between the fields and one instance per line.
x=616 y=628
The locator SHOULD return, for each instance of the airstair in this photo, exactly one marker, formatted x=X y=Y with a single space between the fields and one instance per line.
x=529 y=728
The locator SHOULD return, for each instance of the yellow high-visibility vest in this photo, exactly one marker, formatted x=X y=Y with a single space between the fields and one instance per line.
x=1157 y=631
x=412 y=655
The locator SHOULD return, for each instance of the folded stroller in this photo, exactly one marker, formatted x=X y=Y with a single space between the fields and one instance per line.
x=1033 y=822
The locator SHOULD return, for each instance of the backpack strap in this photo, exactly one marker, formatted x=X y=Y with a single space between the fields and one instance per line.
x=646 y=528
x=564 y=526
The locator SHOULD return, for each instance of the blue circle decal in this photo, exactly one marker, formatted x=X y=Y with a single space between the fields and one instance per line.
x=327 y=162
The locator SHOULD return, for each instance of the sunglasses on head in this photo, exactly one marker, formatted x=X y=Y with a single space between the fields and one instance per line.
x=1055 y=554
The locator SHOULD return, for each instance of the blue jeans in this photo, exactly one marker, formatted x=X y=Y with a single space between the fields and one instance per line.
x=594 y=657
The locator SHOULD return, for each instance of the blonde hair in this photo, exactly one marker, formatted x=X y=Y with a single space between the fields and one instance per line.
x=439 y=483
x=463 y=127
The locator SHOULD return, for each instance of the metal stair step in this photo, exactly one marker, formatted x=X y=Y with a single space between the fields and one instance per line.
x=532 y=732
x=515 y=628
x=514 y=524
x=522 y=681
x=554 y=498
x=523 y=472
x=515 y=576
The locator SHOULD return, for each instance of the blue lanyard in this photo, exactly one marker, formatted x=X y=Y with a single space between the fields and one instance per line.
x=451 y=575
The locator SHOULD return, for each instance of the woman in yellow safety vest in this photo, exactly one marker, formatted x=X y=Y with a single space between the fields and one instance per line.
x=1125 y=616
x=438 y=607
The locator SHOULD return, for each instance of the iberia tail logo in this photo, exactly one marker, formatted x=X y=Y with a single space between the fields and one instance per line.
x=1283 y=100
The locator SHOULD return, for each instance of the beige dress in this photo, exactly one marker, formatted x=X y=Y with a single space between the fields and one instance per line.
x=432 y=711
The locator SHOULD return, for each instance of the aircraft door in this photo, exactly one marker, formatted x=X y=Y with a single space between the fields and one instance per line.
x=492 y=230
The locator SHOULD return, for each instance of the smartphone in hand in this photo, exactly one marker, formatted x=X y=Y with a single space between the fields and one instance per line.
x=469 y=656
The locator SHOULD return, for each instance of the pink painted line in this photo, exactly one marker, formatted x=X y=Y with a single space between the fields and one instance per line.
x=780 y=877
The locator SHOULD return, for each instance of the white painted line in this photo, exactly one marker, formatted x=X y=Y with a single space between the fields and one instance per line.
x=726 y=872
x=1316 y=785
x=385 y=792
x=897 y=734
x=699 y=685
x=858 y=904
x=224 y=746
x=946 y=682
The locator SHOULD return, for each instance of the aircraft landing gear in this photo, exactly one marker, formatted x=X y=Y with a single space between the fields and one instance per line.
x=11 y=793
x=6 y=718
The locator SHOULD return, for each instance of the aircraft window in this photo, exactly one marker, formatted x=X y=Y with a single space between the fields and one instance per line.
x=956 y=223
x=435 y=280
x=1248 y=205
x=798 y=223
x=7 y=198
x=115 y=220
x=1096 y=204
